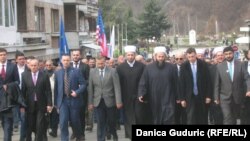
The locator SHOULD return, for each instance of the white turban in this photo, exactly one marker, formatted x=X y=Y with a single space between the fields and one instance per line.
x=130 y=48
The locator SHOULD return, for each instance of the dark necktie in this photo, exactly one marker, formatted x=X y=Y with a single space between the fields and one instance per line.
x=66 y=83
x=3 y=73
x=76 y=65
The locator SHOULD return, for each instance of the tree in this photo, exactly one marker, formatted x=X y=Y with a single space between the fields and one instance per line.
x=152 y=21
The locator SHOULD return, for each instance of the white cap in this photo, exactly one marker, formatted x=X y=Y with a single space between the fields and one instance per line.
x=218 y=49
x=130 y=48
x=160 y=49
x=200 y=51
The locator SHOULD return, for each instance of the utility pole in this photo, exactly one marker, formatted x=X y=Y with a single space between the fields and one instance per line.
x=118 y=39
x=126 y=34
x=248 y=24
x=122 y=38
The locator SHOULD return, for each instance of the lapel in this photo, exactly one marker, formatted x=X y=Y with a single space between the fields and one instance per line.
x=31 y=78
x=198 y=71
x=38 y=78
x=106 y=73
x=8 y=70
x=236 y=69
x=189 y=70
x=97 y=76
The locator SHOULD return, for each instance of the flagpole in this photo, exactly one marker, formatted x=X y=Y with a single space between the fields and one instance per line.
x=118 y=40
x=122 y=38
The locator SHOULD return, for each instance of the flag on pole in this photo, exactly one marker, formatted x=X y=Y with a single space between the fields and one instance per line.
x=100 y=35
x=112 y=43
x=63 y=45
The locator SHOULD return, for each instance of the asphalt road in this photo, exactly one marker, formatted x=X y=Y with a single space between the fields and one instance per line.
x=90 y=136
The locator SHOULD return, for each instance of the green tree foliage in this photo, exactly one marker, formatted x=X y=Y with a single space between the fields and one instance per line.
x=115 y=12
x=152 y=21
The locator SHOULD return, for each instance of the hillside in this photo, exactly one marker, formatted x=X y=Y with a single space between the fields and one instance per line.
x=201 y=15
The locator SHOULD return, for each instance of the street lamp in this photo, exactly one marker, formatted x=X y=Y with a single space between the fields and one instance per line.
x=176 y=41
x=248 y=24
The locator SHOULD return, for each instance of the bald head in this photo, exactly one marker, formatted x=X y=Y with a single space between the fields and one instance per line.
x=179 y=58
x=139 y=58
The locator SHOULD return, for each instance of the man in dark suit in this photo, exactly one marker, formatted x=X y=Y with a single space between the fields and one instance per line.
x=21 y=67
x=105 y=95
x=180 y=113
x=37 y=94
x=229 y=91
x=84 y=69
x=195 y=88
x=8 y=74
x=69 y=88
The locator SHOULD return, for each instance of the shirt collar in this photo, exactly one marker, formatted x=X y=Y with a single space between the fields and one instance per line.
x=5 y=63
x=102 y=69
x=195 y=63
x=36 y=73
x=131 y=64
x=21 y=67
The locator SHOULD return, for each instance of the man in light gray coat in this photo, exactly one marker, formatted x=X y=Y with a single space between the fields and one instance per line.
x=104 y=95
x=229 y=89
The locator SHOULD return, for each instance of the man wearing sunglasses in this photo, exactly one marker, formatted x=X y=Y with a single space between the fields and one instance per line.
x=180 y=115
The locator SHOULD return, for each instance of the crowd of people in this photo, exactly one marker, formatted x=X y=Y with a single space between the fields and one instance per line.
x=189 y=88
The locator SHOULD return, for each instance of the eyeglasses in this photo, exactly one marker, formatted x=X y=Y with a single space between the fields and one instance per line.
x=178 y=58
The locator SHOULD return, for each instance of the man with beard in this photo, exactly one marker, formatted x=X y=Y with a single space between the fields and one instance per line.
x=158 y=86
x=130 y=73
x=229 y=92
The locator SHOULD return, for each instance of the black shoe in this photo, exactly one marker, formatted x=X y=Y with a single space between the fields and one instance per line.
x=82 y=138
x=115 y=138
x=53 y=134
x=72 y=136
x=118 y=127
x=109 y=137
x=89 y=129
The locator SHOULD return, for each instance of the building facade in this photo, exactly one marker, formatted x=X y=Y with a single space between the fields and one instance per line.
x=32 y=26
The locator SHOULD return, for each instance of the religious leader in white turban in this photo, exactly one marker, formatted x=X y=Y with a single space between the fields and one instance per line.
x=158 y=87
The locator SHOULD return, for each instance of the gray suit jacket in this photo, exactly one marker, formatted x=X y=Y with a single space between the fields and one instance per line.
x=225 y=90
x=108 y=88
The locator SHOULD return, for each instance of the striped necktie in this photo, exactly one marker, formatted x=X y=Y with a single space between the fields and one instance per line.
x=66 y=83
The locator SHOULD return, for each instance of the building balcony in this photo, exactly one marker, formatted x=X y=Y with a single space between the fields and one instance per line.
x=40 y=51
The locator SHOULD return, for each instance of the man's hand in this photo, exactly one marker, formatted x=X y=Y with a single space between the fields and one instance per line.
x=118 y=106
x=208 y=100
x=91 y=107
x=217 y=102
x=22 y=110
x=49 y=109
x=183 y=103
x=141 y=99
x=73 y=93
x=5 y=87
x=248 y=94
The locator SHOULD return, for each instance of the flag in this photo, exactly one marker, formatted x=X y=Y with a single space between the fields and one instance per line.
x=100 y=35
x=112 y=43
x=63 y=45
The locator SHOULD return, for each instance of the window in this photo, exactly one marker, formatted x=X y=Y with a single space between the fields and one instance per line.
x=54 y=20
x=39 y=19
x=7 y=12
x=1 y=12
